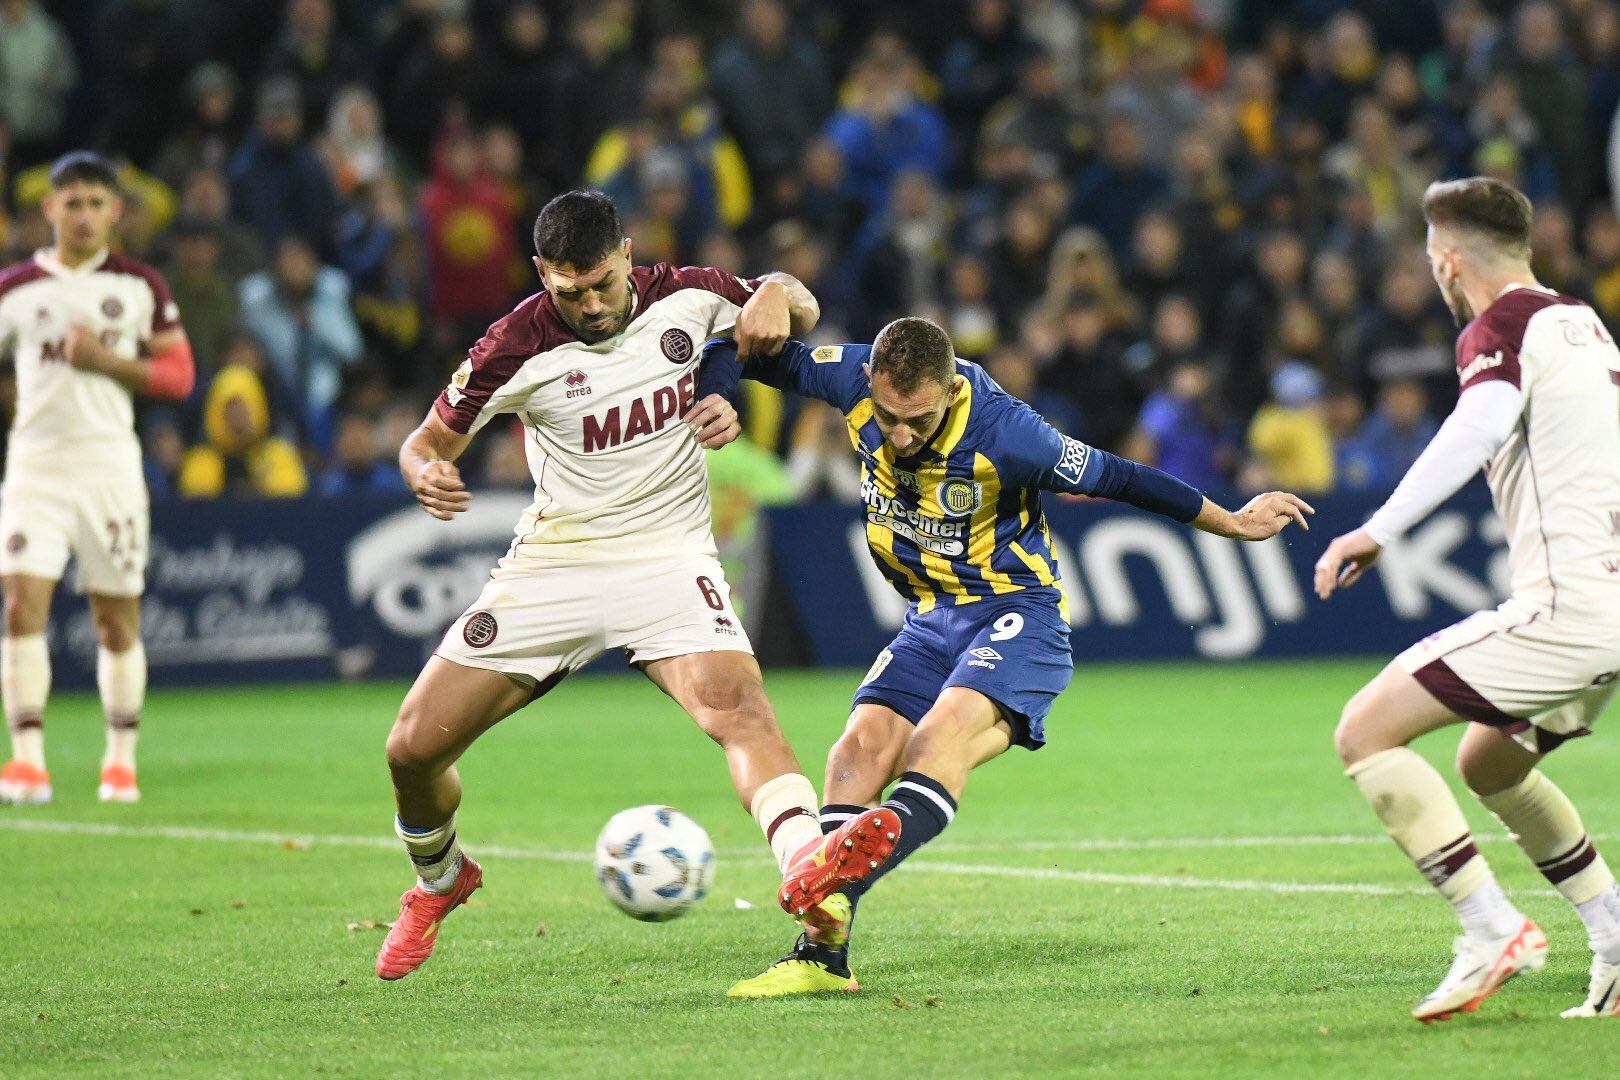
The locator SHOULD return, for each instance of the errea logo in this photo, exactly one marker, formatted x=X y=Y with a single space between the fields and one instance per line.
x=1482 y=362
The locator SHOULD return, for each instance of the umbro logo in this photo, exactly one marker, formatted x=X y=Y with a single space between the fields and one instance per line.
x=985 y=652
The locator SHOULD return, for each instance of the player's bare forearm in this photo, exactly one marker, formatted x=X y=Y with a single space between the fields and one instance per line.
x=803 y=309
x=426 y=461
x=1262 y=518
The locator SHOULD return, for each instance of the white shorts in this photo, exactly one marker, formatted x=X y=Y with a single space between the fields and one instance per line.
x=1536 y=678
x=104 y=524
x=541 y=624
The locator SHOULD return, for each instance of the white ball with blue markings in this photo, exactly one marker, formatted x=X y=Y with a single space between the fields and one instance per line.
x=654 y=862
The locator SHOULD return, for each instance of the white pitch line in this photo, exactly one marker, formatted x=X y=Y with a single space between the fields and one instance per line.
x=1090 y=877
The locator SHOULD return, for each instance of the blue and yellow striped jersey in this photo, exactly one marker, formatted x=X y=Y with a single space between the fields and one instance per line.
x=960 y=520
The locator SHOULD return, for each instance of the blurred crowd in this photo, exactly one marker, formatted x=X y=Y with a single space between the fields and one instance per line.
x=1186 y=230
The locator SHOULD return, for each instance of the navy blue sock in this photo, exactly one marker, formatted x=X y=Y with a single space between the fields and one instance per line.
x=834 y=815
x=925 y=808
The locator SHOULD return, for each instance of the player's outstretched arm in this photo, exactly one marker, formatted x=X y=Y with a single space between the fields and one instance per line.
x=426 y=461
x=1485 y=416
x=1059 y=463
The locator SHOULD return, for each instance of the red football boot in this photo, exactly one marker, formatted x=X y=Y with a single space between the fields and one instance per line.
x=844 y=856
x=410 y=942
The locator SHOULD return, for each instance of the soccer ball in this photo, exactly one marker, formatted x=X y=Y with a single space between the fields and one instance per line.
x=654 y=862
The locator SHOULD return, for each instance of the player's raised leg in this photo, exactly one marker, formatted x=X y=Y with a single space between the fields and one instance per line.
x=1421 y=815
x=121 y=678
x=725 y=693
x=1549 y=831
x=25 y=682
x=447 y=709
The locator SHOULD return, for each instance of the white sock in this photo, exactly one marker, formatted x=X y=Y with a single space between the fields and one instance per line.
x=121 y=677
x=435 y=854
x=25 y=684
x=788 y=812
x=1487 y=913
x=1601 y=914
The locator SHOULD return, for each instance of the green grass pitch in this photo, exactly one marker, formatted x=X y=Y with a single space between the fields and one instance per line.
x=1181 y=884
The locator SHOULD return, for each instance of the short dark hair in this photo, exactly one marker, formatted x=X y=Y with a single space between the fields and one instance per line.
x=578 y=229
x=909 y=350
x=83 y=165
x=1488 y=208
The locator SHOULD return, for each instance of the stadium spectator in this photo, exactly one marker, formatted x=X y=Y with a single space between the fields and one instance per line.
x=601 y=81
x=142 y=49
x=772 y=86
x=1181 y=429
x=1378 y=454
x=468 y=230
x=442 y=79
x=206 y=198
x=1289 y=437
x=1120 y=185
x=353 y=146
x=208 y=136
x=902 y=253
x=1038 y=116
x=299 y=314
x=1551 y=86
x=1153 y=93
x=359 y=467
x=37 y=73
x=1087 y=372
x=240 y=457
x=1015 y=371
x=979 y=68
x=312 y=55
x=278 y=184
x=1408 y=334
x=885 y=129
x=204 y=292
x=819 y=463
x=680 y=142
x=524 y=57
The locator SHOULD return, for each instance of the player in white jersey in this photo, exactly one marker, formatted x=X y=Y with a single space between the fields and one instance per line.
x=1540 y=409
x=615 y=553
x=86 y=330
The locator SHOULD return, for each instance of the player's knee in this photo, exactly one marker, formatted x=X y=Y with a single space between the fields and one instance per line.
x=1354 y=738
x=407 y=753
x=115 y=632
x=944 y=732
x=22 y=615
x=733 y=711
x=1486 y=774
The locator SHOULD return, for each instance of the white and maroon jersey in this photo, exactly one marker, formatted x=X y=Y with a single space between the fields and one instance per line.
x=69 y=419
x=616 y=473
x=1556 y=481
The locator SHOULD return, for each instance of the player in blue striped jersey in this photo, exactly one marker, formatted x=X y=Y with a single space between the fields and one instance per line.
x=952 y=474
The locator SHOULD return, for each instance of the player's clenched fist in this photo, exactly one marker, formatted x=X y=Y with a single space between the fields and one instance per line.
x=765 y=322
x=438 y=487
x=84 y=349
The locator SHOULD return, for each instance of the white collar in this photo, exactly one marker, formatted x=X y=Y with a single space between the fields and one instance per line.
x=48 y=262
x=1537 y=287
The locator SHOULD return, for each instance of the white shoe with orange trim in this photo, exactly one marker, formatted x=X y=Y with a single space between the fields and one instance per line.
x=1480 y=970
x=23 y=784
x=118 y=785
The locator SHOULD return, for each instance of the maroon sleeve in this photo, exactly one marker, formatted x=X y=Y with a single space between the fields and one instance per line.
x=667 y=279
x=165 y=312
x=490 y=365
x=1484 y=353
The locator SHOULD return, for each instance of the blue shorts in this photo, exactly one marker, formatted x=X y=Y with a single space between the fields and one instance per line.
x=1013 y=649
